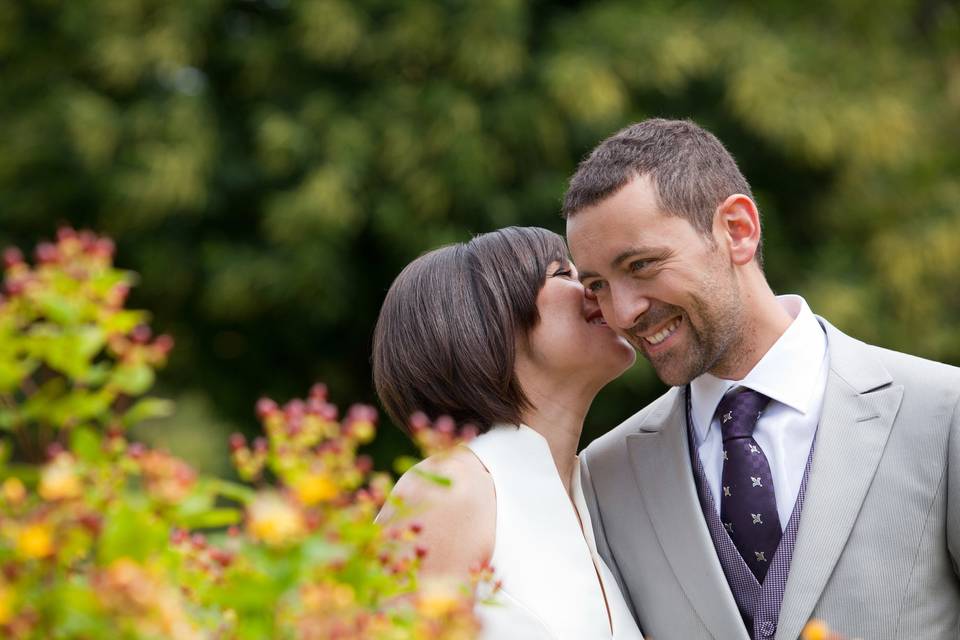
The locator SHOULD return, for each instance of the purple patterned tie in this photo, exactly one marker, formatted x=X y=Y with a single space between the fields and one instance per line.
x=748 y=504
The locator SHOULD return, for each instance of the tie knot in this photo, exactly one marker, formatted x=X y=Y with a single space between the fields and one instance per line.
x=739 y=411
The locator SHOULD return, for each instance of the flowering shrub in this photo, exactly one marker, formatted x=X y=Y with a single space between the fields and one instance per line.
x=104 y=537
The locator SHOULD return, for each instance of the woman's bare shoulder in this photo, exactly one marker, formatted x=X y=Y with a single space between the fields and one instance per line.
x=452 y=500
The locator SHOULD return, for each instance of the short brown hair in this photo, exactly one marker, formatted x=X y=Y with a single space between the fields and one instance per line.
x=445 y=341
x=691 y=170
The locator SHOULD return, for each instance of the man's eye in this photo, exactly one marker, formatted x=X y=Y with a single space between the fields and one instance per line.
x=595 y=286
x=639 y=265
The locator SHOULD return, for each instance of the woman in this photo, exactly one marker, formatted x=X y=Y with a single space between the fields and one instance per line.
x=498 y=332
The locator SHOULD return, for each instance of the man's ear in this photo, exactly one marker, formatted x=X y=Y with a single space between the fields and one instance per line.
x=736 y=225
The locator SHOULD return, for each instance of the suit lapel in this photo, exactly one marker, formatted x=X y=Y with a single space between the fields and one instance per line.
x=661 y=461
x=858 y=412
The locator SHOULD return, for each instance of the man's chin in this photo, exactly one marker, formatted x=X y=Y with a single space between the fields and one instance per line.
x=669 y=372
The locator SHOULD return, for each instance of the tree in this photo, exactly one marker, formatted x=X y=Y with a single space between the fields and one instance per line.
x=269 y=166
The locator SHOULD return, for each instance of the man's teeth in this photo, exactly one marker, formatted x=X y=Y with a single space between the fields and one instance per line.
x=664 y=333
x=598 y=320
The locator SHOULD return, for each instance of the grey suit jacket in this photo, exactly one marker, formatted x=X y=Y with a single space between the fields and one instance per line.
x=878 y=548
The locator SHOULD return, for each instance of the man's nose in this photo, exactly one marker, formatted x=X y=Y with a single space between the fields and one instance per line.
x=624 y=310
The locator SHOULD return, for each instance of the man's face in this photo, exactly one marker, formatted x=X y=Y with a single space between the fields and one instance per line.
x=664 y=286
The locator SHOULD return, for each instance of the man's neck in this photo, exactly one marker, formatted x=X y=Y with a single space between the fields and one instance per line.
x=765 y=320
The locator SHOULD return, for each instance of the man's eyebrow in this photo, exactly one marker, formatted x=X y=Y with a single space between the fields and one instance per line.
x=629 y=253
x=583 y=275
x=619 y=258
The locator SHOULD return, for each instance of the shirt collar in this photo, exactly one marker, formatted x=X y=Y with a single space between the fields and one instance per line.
x=787 y=373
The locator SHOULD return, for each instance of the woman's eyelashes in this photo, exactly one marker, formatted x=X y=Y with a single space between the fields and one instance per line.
x=563 y=272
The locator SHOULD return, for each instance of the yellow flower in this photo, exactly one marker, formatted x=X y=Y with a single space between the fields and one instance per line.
x=6 y=603
x=13 y=490
x=35 y=541
x=815 y=630
x=438 y=598
x=363 y=430
x=274 y=520
x=59 y=480
x=313 y=488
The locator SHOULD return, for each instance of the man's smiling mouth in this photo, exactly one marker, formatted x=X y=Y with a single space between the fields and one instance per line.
x=663 y=333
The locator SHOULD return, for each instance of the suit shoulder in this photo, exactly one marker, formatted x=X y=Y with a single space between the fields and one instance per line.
x=613 y=440
x=906 y=368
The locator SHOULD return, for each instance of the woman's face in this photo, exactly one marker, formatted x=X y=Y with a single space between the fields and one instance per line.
x=572 y=339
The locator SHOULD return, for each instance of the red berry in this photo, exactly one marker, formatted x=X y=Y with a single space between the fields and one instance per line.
x=364 y=463
x=91 y=522
x=104 y=247
x=118 y=294
x=199 y=540
x=87 y=238
x=14 y=287
x=295 y=408
x=416 y=528
x=445 y=424
x=237 y=441
x=12 y=256
x=164 y=343
x=47 y=252
x=419 y=420
x=421 y=551
x=178 y=536
x=265 y=407
x=329 y=412
x=66 y=233
x=319 y=391
x=221 y=557
x=136 y=450
x=141 y=334
x=260 y=445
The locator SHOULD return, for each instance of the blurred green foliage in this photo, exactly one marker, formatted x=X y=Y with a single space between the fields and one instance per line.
x=269 y=166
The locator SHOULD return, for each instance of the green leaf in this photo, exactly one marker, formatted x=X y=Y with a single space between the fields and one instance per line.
x=232 y=490
x=133 y=379
x=403 y=464
x=443 y=481
x=148 y=409
x=130 y=530
x=211 y=518
x=86 y=444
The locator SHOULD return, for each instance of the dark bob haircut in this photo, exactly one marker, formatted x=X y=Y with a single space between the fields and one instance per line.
x=445 y=341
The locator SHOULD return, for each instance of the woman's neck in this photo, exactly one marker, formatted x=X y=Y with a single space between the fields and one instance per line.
x=557 y=415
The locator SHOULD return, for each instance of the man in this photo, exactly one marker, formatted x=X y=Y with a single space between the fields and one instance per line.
x=791 y=472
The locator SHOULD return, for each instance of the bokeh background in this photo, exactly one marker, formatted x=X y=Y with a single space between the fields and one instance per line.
x=268 y=166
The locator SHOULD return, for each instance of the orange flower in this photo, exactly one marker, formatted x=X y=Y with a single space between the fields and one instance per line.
x=35 y=541
x=816 y=630
x=313 y=488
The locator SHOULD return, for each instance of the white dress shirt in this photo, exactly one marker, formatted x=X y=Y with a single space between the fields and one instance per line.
x=793 y=373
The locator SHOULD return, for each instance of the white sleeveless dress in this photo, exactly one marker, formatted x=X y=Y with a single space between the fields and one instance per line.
x=548 y=565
